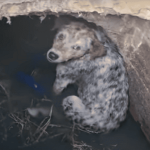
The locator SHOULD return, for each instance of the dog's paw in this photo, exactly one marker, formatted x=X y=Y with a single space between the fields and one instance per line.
x=57 y=89
x=67 y=104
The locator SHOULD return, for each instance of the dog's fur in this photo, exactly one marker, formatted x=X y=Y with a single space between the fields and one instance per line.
x=88 y=57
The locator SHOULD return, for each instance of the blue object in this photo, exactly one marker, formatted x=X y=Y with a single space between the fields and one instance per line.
x=29 y=80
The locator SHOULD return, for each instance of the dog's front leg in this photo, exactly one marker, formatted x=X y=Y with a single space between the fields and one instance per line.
x=60 y=84
x=62 y=79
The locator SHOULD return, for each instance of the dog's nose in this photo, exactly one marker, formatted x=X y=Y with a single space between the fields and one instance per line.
x=53 y=56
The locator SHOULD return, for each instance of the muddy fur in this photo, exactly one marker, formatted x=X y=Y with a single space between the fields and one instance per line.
x=87 y=57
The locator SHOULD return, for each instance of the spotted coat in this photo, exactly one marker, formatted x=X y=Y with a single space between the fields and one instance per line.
x=87 y=56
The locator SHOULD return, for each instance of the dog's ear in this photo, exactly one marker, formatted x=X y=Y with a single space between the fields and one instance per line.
x=97 y=49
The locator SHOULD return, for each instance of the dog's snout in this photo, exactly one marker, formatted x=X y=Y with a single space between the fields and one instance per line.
x=53 y=56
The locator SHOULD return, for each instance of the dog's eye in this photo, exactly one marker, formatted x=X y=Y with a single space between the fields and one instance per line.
x=61 y=36
x=76 y=47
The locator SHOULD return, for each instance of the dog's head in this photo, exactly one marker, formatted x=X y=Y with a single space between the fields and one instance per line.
x=74 y=41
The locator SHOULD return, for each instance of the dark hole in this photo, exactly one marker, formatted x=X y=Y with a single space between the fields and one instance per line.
x=30 y=77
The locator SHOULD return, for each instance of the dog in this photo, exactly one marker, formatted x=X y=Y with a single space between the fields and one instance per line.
x=86 y=56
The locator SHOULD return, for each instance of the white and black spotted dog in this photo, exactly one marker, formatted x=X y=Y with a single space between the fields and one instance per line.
x=88 y=57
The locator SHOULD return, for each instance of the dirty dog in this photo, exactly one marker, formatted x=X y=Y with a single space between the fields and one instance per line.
x=87 y=56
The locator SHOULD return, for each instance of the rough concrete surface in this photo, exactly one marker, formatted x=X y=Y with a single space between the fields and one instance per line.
x=131 y=34
x=132 y=7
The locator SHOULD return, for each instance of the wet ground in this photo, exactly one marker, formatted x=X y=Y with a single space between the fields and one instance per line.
x=26 y=80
